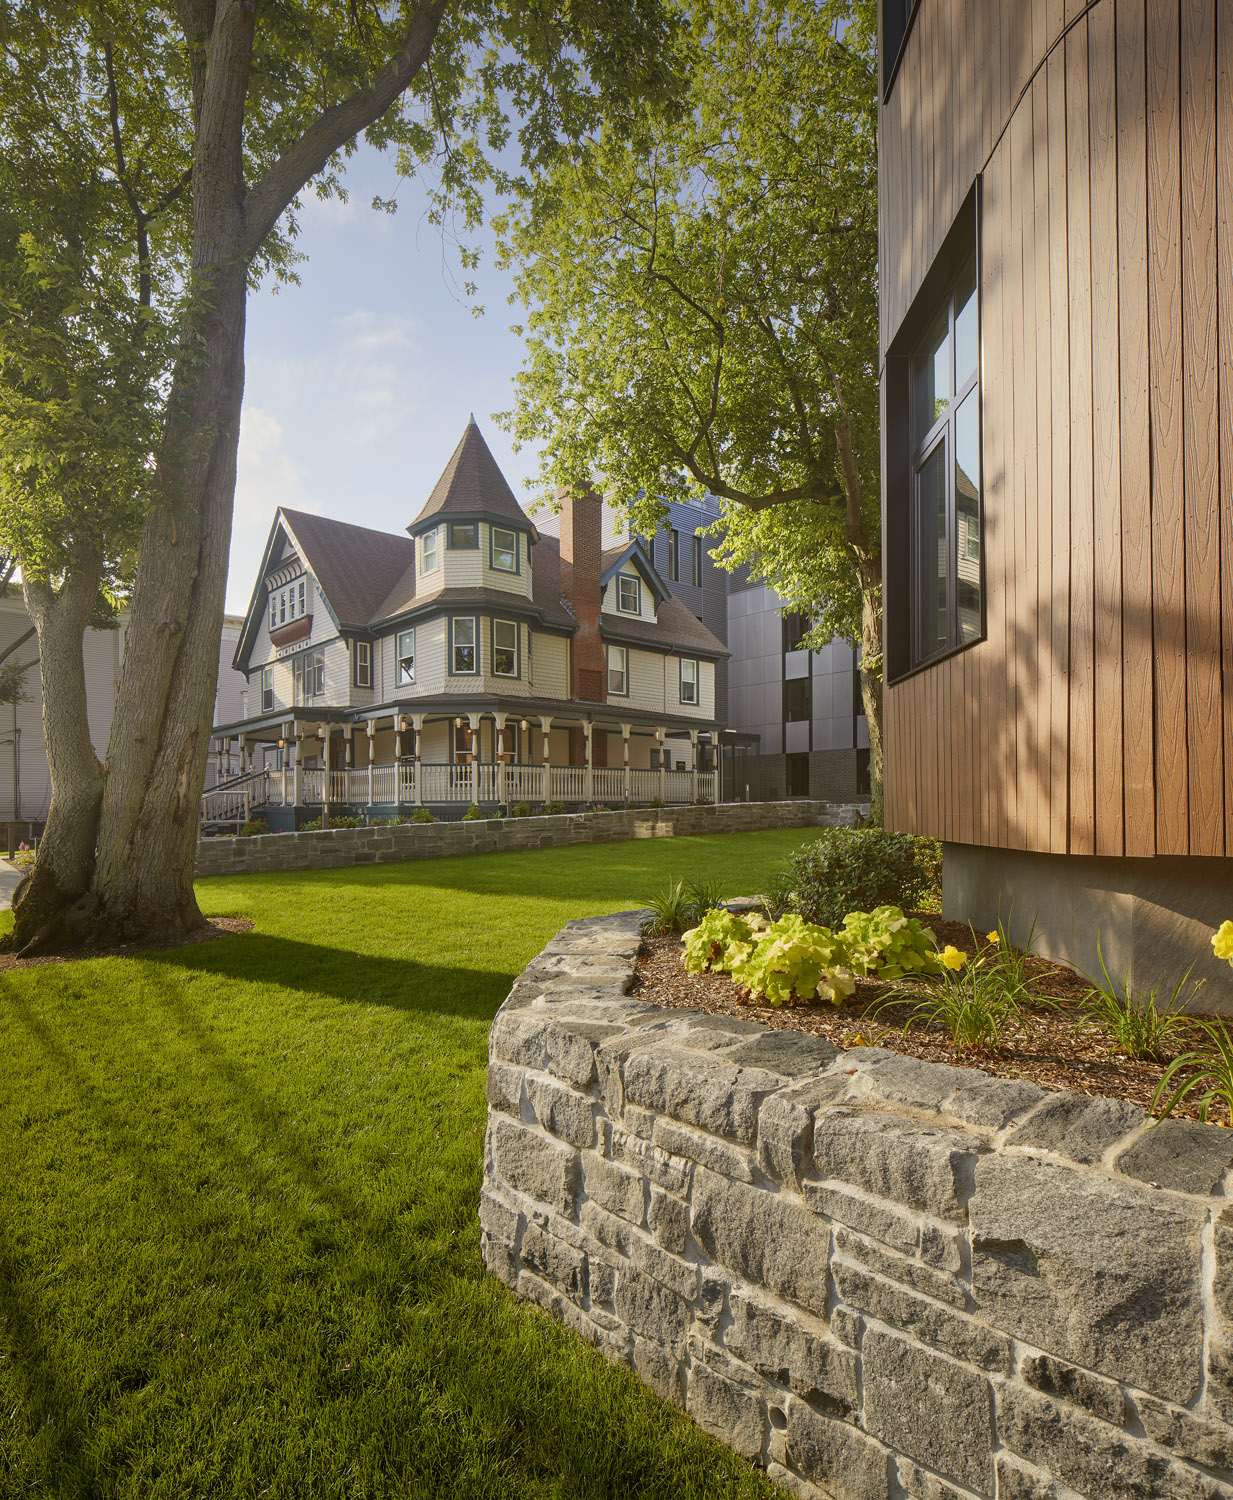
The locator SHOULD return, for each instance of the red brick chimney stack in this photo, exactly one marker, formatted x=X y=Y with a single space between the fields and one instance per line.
x=581 y=565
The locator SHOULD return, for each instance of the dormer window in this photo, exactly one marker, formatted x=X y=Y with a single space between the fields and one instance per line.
x=629 y=594
x=464 y=536
x=504 y=550
x=428 y=552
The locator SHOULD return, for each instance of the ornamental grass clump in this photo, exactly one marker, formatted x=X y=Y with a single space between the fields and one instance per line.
x=1210 y=1065
x=1137 y=1023
x=681 y=905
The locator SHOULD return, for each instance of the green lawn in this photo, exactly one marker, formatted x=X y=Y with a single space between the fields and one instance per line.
x=239 y=1253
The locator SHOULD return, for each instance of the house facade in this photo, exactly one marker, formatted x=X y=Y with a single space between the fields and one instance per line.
x=1056 y=203
x=472 y=660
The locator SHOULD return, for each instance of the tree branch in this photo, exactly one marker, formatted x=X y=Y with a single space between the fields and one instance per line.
x=19 y=642
x=335 y=126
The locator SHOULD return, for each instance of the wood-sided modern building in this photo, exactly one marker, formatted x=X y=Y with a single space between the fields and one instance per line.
x=471 y=660
x=1056 y=258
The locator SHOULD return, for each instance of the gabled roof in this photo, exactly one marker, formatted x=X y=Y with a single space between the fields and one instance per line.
x=615 y=558
x=675 y=629
x=355 y=566
x=472 y=485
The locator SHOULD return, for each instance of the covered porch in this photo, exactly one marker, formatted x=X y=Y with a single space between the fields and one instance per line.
x=382 y=762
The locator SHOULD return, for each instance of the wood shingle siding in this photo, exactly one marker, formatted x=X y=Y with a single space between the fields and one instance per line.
x=1096 y=714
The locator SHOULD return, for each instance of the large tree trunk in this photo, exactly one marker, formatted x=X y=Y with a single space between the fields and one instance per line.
x=871 y=685
x=45 y=900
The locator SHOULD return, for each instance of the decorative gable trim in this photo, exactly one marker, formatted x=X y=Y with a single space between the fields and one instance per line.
x=637 y=554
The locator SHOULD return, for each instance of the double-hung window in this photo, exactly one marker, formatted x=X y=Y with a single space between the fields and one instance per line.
x=629 y=594
x=406 y=658
x=505 y=648
x=267 y=689
x=689 y=680
x=462 y=645
x=428 y=552
x=309 y=671
x=945 y=479
x=363 y=664
x=618 y=672
x=504 y=554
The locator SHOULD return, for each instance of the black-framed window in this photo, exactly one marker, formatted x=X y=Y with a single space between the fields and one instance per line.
x=406 y=658
x=796 y=626
x=674 y=555
x=428 y=551
x=503 y=550
x=267 y=689
x=462 y=645
x=689 y=680
x=618 y=672
x=944 y=476
x=308 y=671
x=629 y=594
x=463 y=536
x=897 y=18
x=505 y=648
x=363 y=664
x=696 y=560
x=797 y=700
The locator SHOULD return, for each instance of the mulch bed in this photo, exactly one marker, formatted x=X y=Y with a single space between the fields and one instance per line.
x=1052 y=1055
x=217 y=927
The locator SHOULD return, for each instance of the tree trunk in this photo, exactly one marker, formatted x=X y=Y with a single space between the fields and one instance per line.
x=42 y=908
x=871 y=689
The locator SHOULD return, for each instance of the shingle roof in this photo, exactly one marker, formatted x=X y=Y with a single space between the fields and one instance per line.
x=472 y=484
x=675 y=628
x=355 y=566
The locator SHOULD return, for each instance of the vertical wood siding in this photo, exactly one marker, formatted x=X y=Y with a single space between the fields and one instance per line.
x=1096 y=717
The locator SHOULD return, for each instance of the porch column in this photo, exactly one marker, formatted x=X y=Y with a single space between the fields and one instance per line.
x=228 y=757
x=297 y=741
x=663 y=766
x=588 y=780
x=324 y=732
x=370 y=731
x=473 y=749
x=286 y=736
x=625 y=733
x=417 y=728
x=499 y=721
x=693 y=765
x=546 y=725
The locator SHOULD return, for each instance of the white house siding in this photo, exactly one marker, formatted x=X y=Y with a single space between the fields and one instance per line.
x=646 y=681
x=646 y=599
x=548 y=676
x=495 y=578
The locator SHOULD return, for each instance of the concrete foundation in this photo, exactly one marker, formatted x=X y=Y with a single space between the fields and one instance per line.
x=1153 y=917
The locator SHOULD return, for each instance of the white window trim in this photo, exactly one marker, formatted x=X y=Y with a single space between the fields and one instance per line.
x=400 y=655
x=454 y=671
x=691 y=661
x=622 y=652
x=425 y=565
x=637 y=583
x=363 y=664
x=513 y=624
x=492 y=550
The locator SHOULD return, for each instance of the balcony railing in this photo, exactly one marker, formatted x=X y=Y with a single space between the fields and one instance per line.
x=487 y=784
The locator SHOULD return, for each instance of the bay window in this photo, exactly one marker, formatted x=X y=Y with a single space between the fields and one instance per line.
x=505 y=648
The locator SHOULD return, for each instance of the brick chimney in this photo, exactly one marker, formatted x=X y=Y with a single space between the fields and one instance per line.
x=581 y=553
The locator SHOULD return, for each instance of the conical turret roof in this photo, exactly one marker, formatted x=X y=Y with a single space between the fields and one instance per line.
x=471 y=485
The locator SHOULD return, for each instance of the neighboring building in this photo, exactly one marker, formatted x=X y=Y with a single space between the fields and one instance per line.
x=794 y=724
x=471 y=660
x=1057 y=334
x=25 y=782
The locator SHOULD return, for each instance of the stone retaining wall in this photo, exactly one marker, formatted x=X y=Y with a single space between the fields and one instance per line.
x=359 y=846
x=874 y=1276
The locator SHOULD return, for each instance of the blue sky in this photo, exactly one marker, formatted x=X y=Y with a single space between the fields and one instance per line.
x=360 y=380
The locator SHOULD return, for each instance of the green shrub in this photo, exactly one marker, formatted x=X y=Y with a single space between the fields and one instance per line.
x=520 y=810
x=721 y=939
x=422 y=815
x=554 y=808
x=886 y=943
x=250 y=830
x=672 y=909
x=473 y=814
x=855 y=869
x=795 y=960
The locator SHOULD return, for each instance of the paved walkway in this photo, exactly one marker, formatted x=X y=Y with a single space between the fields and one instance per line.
x=9 y=880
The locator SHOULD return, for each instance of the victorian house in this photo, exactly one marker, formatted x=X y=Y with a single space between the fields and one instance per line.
x=472 y=660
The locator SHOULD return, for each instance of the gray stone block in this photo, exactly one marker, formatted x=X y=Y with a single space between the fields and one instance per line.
x=1016 y=1481
x=783 y=1346
x=616 y=1188
x=557 y=1263
x=763 y=1237
x=700 y=1091
x=503 y=1088
x=668 y=1220
x=726 y=1411
x=1187 y=1435
x=653 y=1310
x=940 y=1327
x=790 y=1053
x=1101 y=1273
x=1181 y=1155
x=660 y=1370
x=929 y=1408
x=902 y=1160
x=836 y=1456
x=1093 y=1458
x=912 y=1273
x=562 y=1112
x=564 y=1047
x=920 y=1484
x=535 y=1166
x=865 y=1214
x=670 y=1172
x=785 y=1125
x=1054 y=1377
x=706 y=1150
x=993 y=1103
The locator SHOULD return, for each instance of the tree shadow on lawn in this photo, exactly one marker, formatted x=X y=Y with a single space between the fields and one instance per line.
x=342 y=974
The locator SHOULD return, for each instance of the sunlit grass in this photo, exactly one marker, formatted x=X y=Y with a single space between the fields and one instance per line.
x=238 y=1183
